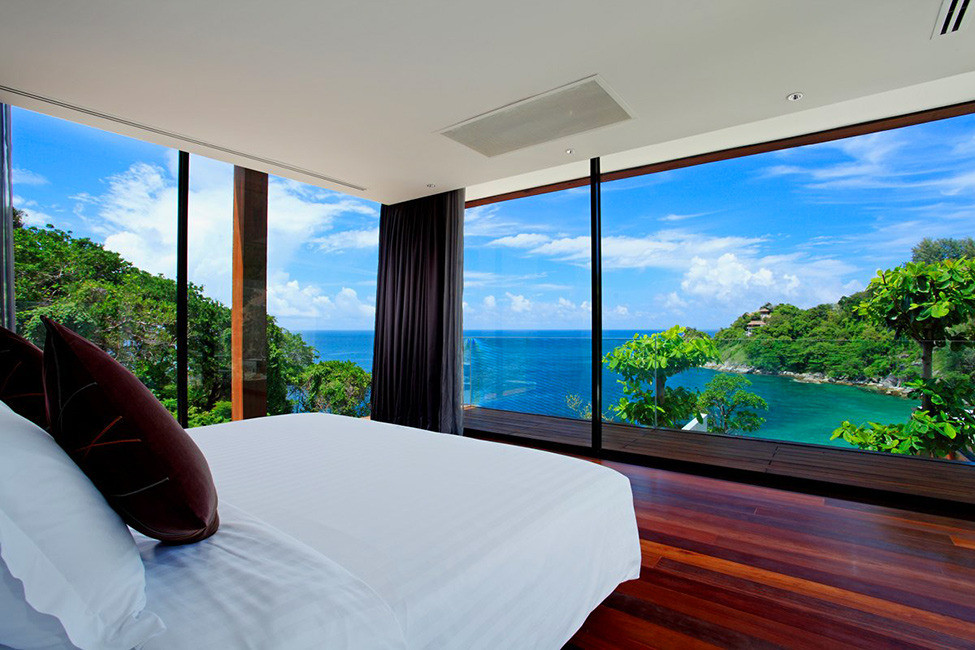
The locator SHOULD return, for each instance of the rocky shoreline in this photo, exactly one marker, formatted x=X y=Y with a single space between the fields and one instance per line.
x=888 y=386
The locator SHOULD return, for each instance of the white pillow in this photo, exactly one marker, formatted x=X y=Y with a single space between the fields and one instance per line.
x=65 y=553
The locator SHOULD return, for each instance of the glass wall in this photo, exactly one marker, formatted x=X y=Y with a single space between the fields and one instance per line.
x=209 y=270
x=323 y=253
x=95 y=242
x=96 y=250
x=740 y=297
x=527 y=306
x=737 y=295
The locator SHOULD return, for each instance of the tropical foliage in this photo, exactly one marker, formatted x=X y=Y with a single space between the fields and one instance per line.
x=729 y=407
x=131 y=314
x=831 y=340
x=925 y=302
x=933 y=304
x=938 y=250
x=645 y=362
x=336 y=387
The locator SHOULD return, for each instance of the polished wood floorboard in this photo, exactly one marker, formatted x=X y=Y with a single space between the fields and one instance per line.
x=922 y=477
x=729 y=565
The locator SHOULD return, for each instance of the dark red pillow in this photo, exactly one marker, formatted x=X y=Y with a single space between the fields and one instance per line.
x=22 y=377
x=125 y=440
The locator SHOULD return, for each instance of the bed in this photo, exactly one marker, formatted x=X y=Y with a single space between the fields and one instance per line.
x=384 y=536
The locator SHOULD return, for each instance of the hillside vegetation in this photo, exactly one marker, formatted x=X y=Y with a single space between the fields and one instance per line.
x=131 y=314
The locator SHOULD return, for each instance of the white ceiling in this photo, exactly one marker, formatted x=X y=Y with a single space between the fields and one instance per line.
x=358 y=90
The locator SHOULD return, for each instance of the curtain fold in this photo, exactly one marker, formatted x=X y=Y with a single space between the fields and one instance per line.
x=417 y=370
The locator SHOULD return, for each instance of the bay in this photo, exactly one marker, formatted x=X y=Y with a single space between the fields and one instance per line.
x=535 y=371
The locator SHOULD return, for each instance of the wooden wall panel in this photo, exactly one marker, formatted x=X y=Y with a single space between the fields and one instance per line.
x=249 y=313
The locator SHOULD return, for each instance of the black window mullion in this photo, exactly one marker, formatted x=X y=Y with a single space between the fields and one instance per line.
x=595 y=204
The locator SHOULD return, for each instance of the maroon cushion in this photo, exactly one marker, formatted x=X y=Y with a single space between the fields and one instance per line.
x=128 y=444
x=21 y=377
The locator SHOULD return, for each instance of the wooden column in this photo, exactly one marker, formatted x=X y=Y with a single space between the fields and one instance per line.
x=249 y=313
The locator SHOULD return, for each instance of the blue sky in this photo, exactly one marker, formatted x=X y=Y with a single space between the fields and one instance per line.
x=322 y=245
x=696 y=246
x=699 y=246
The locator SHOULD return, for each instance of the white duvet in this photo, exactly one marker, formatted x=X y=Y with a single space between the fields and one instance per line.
x=469 y=544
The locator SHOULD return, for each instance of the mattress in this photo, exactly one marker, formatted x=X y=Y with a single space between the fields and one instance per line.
x=471 y=544
x=253 y=587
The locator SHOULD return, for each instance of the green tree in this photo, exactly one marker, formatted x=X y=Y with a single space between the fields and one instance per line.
x=645 y=363
x=729 y=406
x=288 y=358
x=208 y=349
x=829 y=339
x=938 y=250
x=941 y=431
x=925 y=302
x=132 y=315
x=339 y=387
x=929 y=303
x=582 y=409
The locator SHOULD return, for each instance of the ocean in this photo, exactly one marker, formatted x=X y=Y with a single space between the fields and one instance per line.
x=535 y=371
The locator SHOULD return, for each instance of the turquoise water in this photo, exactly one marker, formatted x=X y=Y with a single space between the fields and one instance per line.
x=534 y=371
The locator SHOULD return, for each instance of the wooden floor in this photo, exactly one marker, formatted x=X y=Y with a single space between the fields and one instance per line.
x=922 y=477
x=729 y=565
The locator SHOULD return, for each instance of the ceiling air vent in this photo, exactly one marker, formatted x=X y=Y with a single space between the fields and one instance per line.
x=951 y=17
x=577 y=107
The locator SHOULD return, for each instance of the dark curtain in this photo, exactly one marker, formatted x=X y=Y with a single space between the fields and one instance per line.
x=417 y=363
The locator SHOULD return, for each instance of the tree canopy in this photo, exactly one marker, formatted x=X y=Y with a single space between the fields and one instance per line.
x=929 y=303
x=131 y=314
x=926 y=302
x=645 y=362
x=938 y=250
x=731 y=408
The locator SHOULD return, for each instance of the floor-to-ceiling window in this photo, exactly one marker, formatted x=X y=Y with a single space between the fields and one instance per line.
x=95 y=242
x=321 y=299
x=96 y=246
x=209 y=249
x=739 y=299
x=527 y=306
x=742 y=297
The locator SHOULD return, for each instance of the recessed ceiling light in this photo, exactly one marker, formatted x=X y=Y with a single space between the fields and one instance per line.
x=794 y=97
x=431 y=185
x=568 y=152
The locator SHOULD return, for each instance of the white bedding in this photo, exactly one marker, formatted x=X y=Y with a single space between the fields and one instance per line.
x=472 y=544
x=252 y=586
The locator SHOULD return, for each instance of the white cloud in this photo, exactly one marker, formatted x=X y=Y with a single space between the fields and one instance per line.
x=724 y=278
x=674 y=302
x=287 y=298
x=873 y=161
x=474 y=279
x=682 y=217
x=486 y=221
x=310 y=307
x=348 y=239
x=490 y=302
x=965 y=147
x=26 y=177
x=519 y=303
x=741 y=283
x=136 y=218
x=666 y=249
x=34 y=217
x=522 y=240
